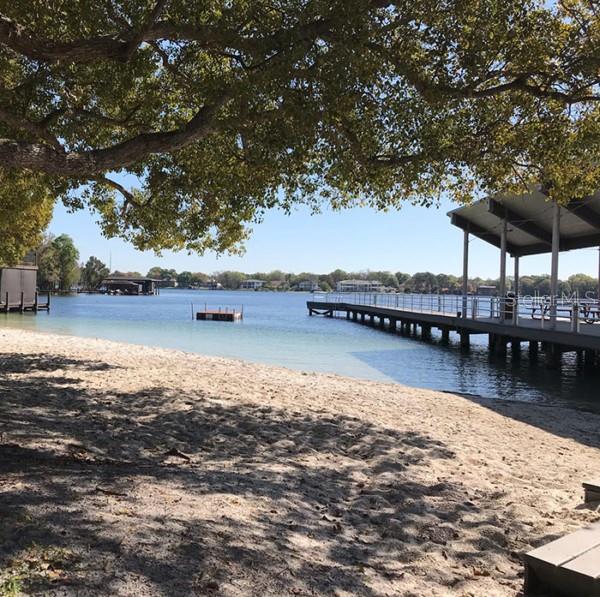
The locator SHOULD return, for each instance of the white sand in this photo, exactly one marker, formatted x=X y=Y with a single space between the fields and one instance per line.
x=294 y=483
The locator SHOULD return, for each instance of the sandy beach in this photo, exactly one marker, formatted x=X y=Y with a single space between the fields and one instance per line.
x=127 y=470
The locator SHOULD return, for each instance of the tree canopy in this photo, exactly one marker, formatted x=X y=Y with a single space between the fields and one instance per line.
x=57 y=261
x=93 y=272
x=220 y=110
x=161 y=273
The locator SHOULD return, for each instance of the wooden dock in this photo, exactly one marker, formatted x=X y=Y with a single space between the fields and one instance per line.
x=466 y=316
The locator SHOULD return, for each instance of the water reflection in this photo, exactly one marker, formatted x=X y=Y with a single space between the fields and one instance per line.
x=478 y=373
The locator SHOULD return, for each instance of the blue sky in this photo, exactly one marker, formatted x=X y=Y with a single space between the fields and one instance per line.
x=410 y=240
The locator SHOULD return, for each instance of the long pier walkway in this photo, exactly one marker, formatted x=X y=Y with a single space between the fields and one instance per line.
x=564 y=327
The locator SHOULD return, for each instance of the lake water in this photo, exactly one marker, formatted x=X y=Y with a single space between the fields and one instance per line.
x=277 y=329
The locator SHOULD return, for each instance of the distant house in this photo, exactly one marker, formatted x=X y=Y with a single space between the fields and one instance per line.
x=129 y=286
x=308 y=286
x=252 y=284
x=360 y=286
x=212 y=284
x=484 y=290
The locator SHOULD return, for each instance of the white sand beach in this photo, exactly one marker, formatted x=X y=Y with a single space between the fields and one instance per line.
x=127 y=470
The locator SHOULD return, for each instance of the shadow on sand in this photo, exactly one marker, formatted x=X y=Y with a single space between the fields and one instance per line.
x=208 y=497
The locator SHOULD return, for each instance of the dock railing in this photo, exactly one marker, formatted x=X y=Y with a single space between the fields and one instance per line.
x=570 y=314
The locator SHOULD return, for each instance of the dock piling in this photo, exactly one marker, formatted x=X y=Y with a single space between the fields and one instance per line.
x=465 y=340
x=534 y=348
x=553 y=356
x=515 y=347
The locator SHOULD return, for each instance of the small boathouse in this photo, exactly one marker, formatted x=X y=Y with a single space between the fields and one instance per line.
x=129 y=286
x=519 y=226
x=18 y=287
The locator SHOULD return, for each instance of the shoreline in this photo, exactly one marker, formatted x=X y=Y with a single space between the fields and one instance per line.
x=152 y=470
x=580 y=407
x=392 y=382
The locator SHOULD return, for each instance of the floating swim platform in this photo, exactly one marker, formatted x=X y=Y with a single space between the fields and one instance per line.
x=219 y=315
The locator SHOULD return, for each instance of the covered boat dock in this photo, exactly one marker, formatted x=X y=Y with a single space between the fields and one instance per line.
x=129 y=286
x=518 y=225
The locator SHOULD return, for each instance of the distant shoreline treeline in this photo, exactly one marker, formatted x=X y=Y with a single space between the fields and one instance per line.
x=59 y=269
x=421 y=282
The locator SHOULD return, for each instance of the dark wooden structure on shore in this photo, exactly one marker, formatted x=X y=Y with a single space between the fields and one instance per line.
x=567 y=566
x=18 y=289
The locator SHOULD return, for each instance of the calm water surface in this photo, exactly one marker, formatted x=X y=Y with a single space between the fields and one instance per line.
x=277 y=330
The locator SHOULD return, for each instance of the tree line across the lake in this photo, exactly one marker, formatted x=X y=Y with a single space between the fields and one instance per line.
x=60 y=269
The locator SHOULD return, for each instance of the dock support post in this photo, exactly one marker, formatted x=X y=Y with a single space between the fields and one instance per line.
x=445 y=335
x=354 y=315
x=533 y=349
x=362 y=317
x=589 y=359
x=515 y=346
x=502 y=290
x=553 y=356
x=48 y=303
x=499 y=345
x=465 y=280
x=36 y=302
x=347 y=314
x=465 y=339
x=598 y=276
x=554 y=270
x=393 y=325
x=6 y=308
x=382 y=322
x=425 y=332
x=22 y=302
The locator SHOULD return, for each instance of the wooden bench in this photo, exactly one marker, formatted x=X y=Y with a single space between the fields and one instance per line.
x=569 y=566
x=591 y=491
